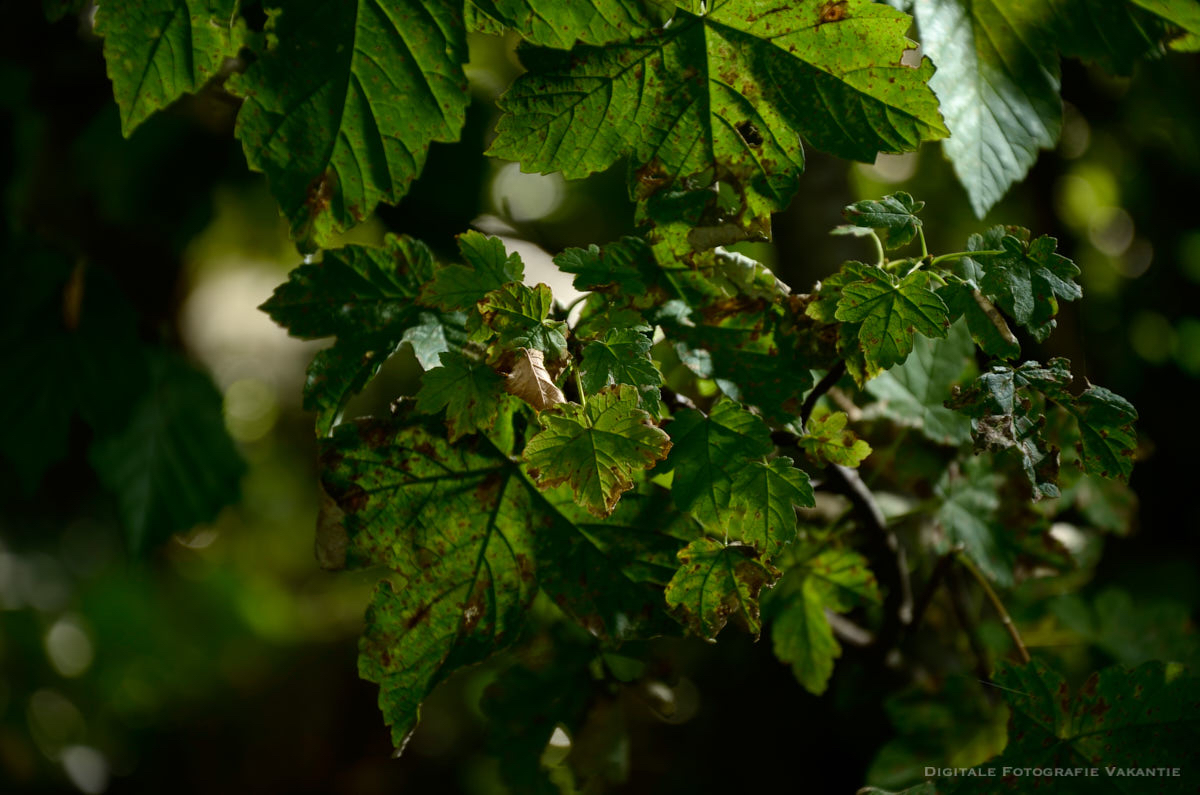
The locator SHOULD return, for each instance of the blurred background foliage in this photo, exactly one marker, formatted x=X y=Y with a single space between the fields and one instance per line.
x=164 y=625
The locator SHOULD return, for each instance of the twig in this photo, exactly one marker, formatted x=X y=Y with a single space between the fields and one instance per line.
x=958 y=601
x=824 y=385
x=884 y=550
x=998 y=606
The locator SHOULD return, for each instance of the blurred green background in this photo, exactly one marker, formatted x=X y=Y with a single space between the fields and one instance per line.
x=222 y=659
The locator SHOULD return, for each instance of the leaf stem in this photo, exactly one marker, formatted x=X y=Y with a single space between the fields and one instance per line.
x=997 y=605
x=579 y=385
x=881 y=257
x=956 y=255
x=575 y=302
x=924 y=247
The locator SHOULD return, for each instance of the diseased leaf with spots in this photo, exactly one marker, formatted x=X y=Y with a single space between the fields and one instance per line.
x=596 y=448
x=896 y=215
x=158 y=50
x=722 y=96
x=827 y=441
x=891 y=312
x=519 y=317
x=471 y=393
x=1143 y=717
x=456 y=525
x=707 y=455
x=555 y=24
x=837 y=580
x=341 y=108
x=717 y=583
x=366 y=297
x=488 y=267
x=766 y=495
x=1106 y=425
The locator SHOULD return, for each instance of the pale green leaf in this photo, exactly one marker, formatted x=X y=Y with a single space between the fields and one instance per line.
x=717 y=583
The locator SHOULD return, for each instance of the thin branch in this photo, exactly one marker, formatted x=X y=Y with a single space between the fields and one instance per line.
x=958 y=601
x=824 y=385
x=961 y=254
x=848 y=632
x=998 y=606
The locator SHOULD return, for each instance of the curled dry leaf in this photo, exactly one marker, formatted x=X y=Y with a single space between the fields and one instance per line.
x=530 y=382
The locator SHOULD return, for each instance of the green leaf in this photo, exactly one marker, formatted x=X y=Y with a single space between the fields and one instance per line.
x=964 y=298
x=622 y=357
x=174 y=465
x=555 y=24
x=488 y=267
x=1106 y=425
x=891 y=312
x=721 y=97
x=455 y=523
x=1124 y=718
x=519 y=315
x=969 y=515
x=365 y=297
x=828 y=442
x=470 y=392
x=708 y=454
x=715 y=583
x=915 y=392
x=623 y=269
x=596 y=448
x=767 y=494
x=895 y=214
x=1028 y=280
x=997 y=81
x=800 y=633
x=158 y=50
x=1131 y=630
x=341 y=108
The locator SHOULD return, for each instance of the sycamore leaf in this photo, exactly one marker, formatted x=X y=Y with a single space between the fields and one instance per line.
x=530 y=382
x=707 y=455
x=837 y=580
x=1106 y=427
x=551 y=23
x=341 y=108
x=519 y=314
x=1120 y=719
x=455 y=522
x=968 y=513
x=158 y=50
x=895 y=214
x=470 y=392
x=997 y=80
x=767 y=494
x=891 y=312
x=623 y=268
x=964 y=297
x=488 y=267
x=622 y=357
x=827 y=441
x=364 y=296
x=596 y=448
x=915 y=392
x=722 y=96
x=1028 y=280
x=174 y=465
x=718 y=582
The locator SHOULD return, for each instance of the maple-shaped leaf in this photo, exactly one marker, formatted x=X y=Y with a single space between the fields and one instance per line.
x=1120 y=719
x=455 y=523
x=173 y=465
x=551 y=23
x=717 y=583
x=158 y=50
x=964 y=297
x=914 y=393
x=622 y=357
x=341 y=108
x=1106 y=427
x=366 y=297
x=519 y=316
x=721 y=94
x=828 y=441
x=1028 y=279
x=969 y=515
x=895 y=214
x=488 y=267
x=471 y=393
x=891 y=312
x=707 y=455
x=767 y=494
x=596 y=448
x=624 y=270
x=837 y=580
x=530 y=382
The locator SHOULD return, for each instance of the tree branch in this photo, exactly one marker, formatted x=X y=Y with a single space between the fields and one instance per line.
x=824 y=385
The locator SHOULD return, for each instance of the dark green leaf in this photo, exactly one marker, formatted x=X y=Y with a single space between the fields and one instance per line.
x=767 y=495
x=471 y=393
x=1028 y=280
x=891 y=312
x=488 y=267
x=519 y=315
x=556 y=24
x=622 y=357
x=895 y=214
